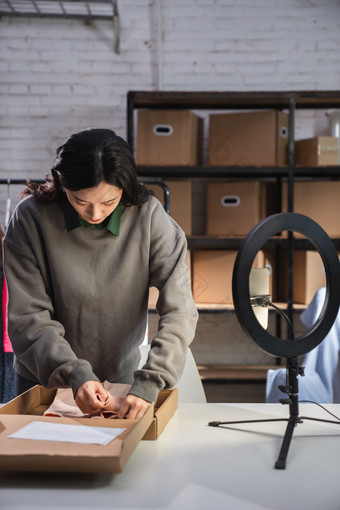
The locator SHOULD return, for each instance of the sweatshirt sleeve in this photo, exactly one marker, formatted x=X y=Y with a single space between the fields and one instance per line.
x=176 y=308
x=37 y=338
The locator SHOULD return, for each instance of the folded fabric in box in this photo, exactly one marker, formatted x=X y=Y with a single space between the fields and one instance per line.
x=64 y=403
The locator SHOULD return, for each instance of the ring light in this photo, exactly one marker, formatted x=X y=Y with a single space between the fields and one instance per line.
x=290 y=348
x=250 y=246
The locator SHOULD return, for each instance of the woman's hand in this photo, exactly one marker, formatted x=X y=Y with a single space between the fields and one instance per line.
x=133 y=408
x=90 y=397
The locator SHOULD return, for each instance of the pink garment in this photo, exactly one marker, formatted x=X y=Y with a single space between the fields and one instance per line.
x=6 y=341
x=64 y=403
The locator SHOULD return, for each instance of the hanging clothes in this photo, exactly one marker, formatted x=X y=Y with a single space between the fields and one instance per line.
x=8 y=213
x=6 y=341
x=7 y=379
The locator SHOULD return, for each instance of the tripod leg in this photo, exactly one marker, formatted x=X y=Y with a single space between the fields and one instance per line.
x=281 y=461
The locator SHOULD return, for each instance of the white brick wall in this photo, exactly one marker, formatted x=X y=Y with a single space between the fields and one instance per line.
x=58 y=76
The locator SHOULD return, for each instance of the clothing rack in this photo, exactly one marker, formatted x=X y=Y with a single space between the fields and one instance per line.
x=155 y=182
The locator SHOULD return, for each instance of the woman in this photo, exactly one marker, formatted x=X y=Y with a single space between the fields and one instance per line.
x=80 y=254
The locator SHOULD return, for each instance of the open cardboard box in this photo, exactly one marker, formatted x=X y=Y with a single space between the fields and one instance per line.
x=35 y=455
x=165 y=408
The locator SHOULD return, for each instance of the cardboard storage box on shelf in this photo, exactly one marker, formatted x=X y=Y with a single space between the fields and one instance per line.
x=234 y=208
x=319 y=200
x=212 y=275
x=308 y=276
x=252 y=138
x=317 y=151
x=54 y=456
x=180 y=202
x=168 y=137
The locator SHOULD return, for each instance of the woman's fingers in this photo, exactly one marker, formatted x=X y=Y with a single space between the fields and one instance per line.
x=133 y=408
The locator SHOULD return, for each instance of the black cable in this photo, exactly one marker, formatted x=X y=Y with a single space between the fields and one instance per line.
x=322 y=407
x=290 y=328
x=281 y=312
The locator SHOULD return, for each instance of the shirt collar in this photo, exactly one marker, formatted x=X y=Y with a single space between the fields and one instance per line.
x=72 y=219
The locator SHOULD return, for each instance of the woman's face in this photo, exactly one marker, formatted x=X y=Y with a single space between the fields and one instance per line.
x=95 y=204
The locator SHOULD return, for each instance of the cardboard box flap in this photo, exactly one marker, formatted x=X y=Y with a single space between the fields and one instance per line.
x=165 y=408
x=33 y=401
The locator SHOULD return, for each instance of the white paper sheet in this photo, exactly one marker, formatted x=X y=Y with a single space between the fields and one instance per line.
x=43 y=431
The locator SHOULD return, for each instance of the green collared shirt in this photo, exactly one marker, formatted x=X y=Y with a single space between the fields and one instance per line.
x=73 y=220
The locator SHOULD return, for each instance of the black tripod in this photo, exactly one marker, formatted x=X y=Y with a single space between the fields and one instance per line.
x=292 y=390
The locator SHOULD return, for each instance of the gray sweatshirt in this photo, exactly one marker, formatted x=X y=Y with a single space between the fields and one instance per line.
x=78 y=300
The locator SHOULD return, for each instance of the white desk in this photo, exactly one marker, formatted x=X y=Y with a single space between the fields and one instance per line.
x=193 y=466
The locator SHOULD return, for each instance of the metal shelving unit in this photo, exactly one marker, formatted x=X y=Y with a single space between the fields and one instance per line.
x=285 y=100
x=288 y=100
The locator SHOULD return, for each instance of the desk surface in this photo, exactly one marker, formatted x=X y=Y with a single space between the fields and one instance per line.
x=194 y=466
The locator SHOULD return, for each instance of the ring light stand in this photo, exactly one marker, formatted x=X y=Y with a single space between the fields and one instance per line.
x=289 y=348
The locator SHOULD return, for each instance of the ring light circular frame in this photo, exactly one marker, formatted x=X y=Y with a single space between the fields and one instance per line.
x=250 y=246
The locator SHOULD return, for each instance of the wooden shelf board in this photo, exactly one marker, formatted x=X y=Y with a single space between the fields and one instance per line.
x=234 y=372
x=234 y=100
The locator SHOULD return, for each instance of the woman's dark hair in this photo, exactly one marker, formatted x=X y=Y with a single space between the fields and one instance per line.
x=86 y=159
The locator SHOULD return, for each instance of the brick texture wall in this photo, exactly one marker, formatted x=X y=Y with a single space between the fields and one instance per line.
x=58 y=76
